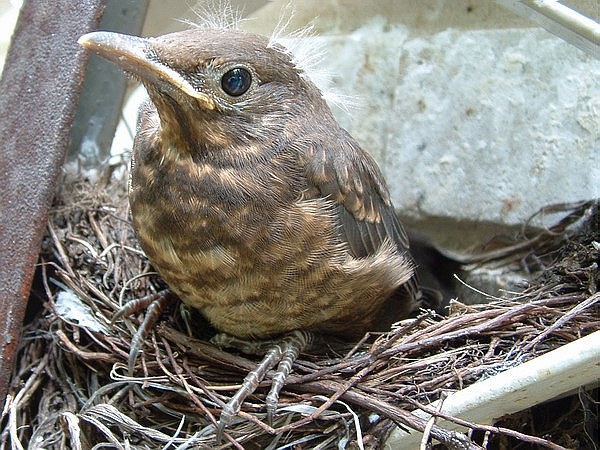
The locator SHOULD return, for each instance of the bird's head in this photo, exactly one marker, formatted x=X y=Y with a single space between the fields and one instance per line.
x=220 y=85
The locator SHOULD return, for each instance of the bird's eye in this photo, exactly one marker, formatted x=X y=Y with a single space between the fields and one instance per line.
x=236 y=82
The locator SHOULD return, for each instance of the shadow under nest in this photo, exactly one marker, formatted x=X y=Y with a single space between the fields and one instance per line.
x=70 y=387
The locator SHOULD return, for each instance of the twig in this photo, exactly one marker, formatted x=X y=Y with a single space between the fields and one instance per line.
x=436 y=412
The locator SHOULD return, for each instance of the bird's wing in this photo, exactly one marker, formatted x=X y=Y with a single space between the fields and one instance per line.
x=338 y=169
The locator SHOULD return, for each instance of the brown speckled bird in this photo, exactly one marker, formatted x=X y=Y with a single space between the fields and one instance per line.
x=247 y=196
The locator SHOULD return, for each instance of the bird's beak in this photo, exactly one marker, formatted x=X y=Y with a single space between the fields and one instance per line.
x=134 y=55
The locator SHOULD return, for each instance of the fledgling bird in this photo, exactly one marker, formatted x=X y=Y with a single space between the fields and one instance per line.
x=250 y=200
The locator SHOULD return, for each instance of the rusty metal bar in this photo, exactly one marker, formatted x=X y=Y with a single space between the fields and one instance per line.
x=39 y=92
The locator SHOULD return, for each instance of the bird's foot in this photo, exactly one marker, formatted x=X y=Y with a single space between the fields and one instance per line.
x=154 y=305
x=281 y=352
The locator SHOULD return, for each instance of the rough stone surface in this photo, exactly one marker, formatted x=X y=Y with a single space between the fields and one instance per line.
x=477 y=126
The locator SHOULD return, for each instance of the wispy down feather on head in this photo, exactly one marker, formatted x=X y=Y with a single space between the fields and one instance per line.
x=307 y=50
x=216 y=14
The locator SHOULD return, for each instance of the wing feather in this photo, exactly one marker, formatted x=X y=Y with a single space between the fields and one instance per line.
x=337 y=168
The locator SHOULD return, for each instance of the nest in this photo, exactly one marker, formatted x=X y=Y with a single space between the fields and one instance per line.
x=71 y=386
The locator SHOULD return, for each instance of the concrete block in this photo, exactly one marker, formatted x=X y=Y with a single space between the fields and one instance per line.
x=473 y=125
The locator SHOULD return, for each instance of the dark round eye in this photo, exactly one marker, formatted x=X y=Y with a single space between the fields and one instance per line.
x=236 y=82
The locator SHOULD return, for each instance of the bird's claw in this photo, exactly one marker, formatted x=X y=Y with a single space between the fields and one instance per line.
x=282 y=353
x=154 y=304
x=226 y=419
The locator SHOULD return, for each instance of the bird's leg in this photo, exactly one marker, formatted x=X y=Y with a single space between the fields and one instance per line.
x=282 y=352
x=295 y=343
x=154 y=305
